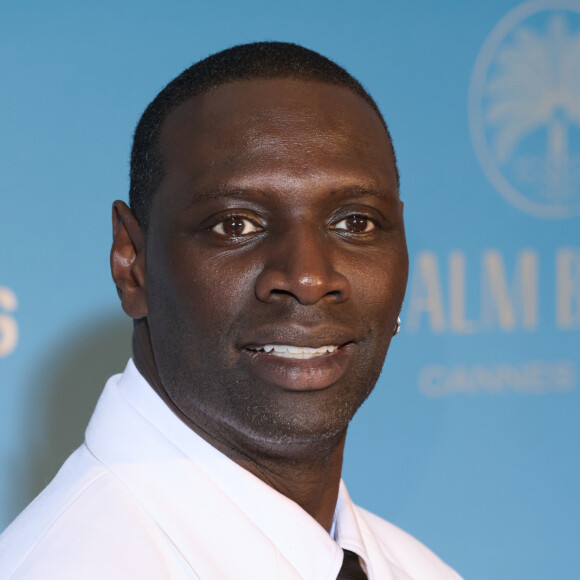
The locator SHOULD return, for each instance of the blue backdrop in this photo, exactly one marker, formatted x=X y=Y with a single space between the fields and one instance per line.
x=470 y=441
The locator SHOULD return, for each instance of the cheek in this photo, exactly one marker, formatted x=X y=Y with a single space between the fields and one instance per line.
x=226 y=284
x=380 y=281
x=204 y=292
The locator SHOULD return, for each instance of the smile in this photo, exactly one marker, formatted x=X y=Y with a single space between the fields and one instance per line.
x=295 y=352
x=301 y=368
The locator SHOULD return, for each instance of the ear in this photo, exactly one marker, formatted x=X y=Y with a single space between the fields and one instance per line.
x=128 y=261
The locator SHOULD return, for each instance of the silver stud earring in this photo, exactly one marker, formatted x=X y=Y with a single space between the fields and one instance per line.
x=397 y=326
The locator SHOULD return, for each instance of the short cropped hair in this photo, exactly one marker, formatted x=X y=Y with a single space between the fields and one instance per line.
x=259 y=60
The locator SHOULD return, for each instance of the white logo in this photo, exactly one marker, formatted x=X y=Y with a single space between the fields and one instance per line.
x=524 y=108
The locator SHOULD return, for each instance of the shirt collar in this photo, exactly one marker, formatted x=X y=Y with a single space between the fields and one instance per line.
x=126 y=437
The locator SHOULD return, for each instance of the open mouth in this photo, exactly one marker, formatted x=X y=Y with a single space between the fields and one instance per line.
x=301 y=368
x=290 y=351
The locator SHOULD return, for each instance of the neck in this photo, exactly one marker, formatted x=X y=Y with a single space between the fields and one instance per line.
x=309 y=477
x=307 y=473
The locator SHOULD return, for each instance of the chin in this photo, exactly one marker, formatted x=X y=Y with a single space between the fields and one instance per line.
x=300 y=427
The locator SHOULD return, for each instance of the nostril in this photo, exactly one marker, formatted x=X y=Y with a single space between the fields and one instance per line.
x=277 y=292
x=335 y=294
x=307 y=282
x=304 y=295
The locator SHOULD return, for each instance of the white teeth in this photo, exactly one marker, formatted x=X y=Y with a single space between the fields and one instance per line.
x=299 y=352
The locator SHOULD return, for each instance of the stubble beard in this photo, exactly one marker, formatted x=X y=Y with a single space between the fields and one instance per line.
x=259 y=419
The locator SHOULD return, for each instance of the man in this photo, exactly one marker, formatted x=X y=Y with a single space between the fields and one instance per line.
x=264 y=263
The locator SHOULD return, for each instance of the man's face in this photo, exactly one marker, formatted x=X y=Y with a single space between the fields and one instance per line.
x=276 y=260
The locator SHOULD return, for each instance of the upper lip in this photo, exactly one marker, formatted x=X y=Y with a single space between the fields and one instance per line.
x=298 y=335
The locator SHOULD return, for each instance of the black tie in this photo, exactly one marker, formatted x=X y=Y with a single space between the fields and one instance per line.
x=351 y=568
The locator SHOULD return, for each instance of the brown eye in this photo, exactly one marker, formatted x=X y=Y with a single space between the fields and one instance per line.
x=355 y=224
x=236 y=226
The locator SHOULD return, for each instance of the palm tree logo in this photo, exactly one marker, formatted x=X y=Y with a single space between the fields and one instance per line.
x=525 y=108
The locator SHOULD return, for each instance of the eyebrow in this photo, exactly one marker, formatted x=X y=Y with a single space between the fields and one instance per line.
x=347 y=191
x=358 y=191
x=221 y=192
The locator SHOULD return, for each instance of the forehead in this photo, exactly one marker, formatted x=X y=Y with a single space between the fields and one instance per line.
x=300 y=127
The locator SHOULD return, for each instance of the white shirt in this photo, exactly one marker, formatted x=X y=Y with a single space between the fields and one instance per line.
x=146 y=498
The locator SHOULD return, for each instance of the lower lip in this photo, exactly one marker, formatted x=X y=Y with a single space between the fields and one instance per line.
x=301 y=374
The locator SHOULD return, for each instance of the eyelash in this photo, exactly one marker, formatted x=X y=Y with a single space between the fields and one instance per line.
x=357 y=216
x=219 y=227
x=236 y=218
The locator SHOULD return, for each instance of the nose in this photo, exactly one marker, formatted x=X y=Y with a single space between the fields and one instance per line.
x=301 y=265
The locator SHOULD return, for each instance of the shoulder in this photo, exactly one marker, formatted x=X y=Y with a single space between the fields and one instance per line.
x=83 y=514
x=403 y=549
